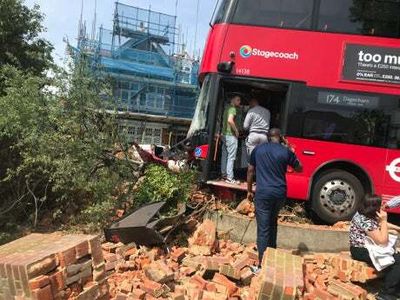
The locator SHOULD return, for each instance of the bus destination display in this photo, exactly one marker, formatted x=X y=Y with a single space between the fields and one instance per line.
x=353 y=100
x=372 y=64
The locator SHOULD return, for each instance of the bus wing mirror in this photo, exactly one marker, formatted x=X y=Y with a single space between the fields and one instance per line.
x=225 y=67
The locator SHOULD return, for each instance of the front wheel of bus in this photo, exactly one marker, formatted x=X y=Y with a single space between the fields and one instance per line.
x=336 y=195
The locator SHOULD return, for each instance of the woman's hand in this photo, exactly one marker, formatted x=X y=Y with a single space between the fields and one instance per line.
x=382 y=215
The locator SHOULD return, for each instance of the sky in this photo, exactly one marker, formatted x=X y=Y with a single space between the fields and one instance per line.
x=62 y=18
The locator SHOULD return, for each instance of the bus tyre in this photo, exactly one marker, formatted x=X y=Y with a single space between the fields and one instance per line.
x=336 y=195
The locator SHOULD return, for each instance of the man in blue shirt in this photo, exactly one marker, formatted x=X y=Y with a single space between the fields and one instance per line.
x=270 y=161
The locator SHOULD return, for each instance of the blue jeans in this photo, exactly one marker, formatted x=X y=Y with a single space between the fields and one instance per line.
x=267 y=210
x=229 y=148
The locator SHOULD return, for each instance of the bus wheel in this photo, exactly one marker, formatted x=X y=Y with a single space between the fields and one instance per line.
x=336 y=195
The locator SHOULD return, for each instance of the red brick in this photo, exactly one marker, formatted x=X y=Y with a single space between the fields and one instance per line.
x=130 y=252
x=110 y=257
x=309 y=268
x=158 y=271
x=210 y=286
x=179 y=289
x=323 y=295
x=310 y=296
x=320 y=284
x=125 y=287
x=67 y=257
x=203 y=241
x=214 y=263
x=121 y=296
x=177 y=296
x=99 y=273
x=82 y=249
x=245 y=276
x=320 y=259
x=43 y=293
x=213 y=296
x=346 y=290
x=43 y=266
x=194 y=293
x=142 y=261
x=57 y=281
x=199 y=281
x=110 y=266
x=122 y=266
x=342 y=276
x=138 y=294
x=178 y=254
x=241 y=262
x=153 y=288
x=96 y=251
x=252 y=255
x=90 y=292
x=230 y=272
x=221 y=279
x=221 y=289
x=39 y=282
x=104 y=289
x=124 y=252
x=109 y=247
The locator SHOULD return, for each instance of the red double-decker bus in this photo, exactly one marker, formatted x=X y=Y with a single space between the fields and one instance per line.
x=329 y=72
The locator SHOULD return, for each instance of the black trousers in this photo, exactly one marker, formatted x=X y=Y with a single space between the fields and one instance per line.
x=267 y=210
x=392 y=273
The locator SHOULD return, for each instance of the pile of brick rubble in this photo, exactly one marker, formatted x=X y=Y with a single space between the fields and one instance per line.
x=220 y=269
x=56 y=266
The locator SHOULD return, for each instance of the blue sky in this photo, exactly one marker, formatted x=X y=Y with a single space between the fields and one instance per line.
x=62 y=17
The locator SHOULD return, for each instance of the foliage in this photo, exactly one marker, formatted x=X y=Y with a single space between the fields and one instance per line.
x=56 y=142
x=20 y=44
x=57 y=138
x=162 y=185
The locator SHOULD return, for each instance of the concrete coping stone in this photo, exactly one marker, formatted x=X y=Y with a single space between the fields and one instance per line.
x=311 y=238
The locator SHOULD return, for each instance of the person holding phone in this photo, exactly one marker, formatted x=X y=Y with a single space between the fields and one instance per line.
x=270 y=161
x=370 y=221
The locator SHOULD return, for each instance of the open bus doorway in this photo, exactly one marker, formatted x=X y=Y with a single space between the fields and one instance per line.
x=271 y=95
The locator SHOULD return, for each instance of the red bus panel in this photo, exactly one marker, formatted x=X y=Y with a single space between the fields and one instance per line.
x=315 y=58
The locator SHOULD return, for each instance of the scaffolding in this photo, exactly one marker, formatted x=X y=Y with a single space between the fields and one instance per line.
x=152 y=72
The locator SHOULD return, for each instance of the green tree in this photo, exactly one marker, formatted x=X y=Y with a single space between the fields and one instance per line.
x=20 y=44
x=56 y=143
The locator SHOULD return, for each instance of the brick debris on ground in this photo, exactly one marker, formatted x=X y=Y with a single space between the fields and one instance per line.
x=57 y=266
x=53 y=266
x=328 y=276
x=220 y=269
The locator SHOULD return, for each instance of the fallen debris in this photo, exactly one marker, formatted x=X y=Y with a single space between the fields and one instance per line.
x=281 y=276
x=246 y=207
x=78 y=267
x=53 y=266
x=329 y=276
x=203 y=241
x=221 y=269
